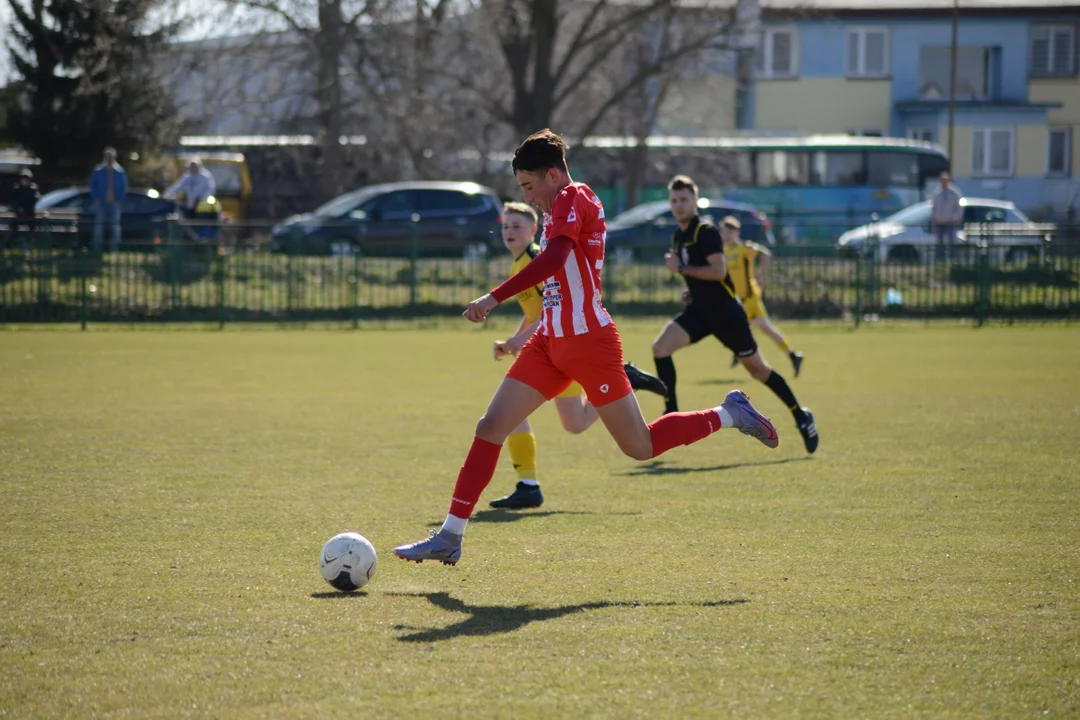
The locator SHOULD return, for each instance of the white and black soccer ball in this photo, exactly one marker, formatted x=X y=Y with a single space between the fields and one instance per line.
x=347 y=561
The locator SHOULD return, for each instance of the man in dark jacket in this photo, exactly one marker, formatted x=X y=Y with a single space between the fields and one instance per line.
x=23 y=199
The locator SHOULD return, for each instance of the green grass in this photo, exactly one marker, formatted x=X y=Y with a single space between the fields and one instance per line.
x=165 y=496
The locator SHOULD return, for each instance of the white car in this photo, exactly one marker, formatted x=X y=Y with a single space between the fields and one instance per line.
x=908 y=235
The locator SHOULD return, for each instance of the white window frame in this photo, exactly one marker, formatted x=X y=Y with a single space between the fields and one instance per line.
x=1066 y=171
x=1052 y=30
x=923 y=134
x=765 y=68
x=859 y=70
x=985 y=171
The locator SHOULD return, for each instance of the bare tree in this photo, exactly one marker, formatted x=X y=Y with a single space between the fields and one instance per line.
x=552 y=53
x=322 y=31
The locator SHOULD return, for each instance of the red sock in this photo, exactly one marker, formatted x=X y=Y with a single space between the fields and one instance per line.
x=682 y=428
x=474 y=476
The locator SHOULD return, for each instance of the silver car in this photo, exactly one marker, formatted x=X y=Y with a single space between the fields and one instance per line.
x=909 y=236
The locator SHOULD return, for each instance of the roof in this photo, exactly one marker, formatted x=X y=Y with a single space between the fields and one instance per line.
x=767 y=142
x=915 y=5
x=988 y=202
x=976 y=105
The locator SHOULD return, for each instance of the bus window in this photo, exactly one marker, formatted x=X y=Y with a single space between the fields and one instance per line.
x=783 y=168
x=890 y=169
x=734 y=169
x=832 y=167
x=930 y=167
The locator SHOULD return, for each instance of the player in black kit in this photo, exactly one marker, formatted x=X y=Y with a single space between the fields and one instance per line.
x=713 y=308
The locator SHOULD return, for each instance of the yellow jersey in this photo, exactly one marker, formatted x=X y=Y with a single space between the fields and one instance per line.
x=531 y=300
x=740 y=266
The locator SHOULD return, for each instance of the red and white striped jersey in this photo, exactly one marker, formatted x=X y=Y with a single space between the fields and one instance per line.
x=572 y=304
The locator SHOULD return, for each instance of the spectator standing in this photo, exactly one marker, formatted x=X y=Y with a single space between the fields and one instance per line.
x=23 y=200
x=197 y=185
x=108 y=188
x=946 y=214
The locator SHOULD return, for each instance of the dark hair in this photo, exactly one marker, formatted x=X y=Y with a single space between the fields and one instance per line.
x=682 y=182
x=520 y=208
x=541 y=151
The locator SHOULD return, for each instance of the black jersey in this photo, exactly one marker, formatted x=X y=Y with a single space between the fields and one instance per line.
x=693 y=246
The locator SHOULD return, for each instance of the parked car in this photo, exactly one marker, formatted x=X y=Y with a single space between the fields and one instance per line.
x=382 y=220
x=909 y=235
x=647 y=228
x=144 y=216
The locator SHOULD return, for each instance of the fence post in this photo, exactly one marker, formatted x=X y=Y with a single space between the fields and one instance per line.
x=219 y=262
x=289 y=290
x=984 y=284
x=872 y=295
x=356 y=290
x=858 y=285
x=83 y=300
x=414 y=250
x=174 y=264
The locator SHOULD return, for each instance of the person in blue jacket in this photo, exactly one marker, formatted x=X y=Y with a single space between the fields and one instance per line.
x=108 y=188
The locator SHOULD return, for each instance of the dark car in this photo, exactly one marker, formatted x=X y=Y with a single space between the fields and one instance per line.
x=144 y=216
x=384 y=219
x=645 y=230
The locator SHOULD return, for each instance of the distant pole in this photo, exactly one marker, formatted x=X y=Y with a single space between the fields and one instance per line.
x=952 y=78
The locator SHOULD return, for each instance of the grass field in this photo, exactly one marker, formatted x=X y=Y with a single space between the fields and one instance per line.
x=165 y=495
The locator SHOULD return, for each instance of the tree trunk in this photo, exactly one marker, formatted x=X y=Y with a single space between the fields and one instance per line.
x=329 y=42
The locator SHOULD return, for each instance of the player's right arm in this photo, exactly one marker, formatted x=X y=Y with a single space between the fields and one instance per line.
x=764 y=260
x=715 y=271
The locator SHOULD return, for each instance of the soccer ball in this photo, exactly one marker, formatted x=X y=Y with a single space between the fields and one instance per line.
x=348 y=561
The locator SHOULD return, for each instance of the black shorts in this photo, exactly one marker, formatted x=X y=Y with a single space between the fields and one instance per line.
x=729 y=327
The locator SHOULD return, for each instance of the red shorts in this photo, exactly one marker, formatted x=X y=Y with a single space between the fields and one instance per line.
x=594 y=360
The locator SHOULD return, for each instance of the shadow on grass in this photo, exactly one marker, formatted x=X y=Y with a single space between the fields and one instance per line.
x=657 y=467
x=496 y=619
x=333 y=594
x=725 y=381
x=501 y=515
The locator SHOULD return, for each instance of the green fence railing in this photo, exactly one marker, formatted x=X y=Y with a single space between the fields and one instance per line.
x=209 y=283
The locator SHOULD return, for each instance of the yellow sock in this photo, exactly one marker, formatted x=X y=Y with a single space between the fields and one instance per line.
x=785 y=346
x=523 y=454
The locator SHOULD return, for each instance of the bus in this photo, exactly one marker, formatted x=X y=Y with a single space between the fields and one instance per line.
x=812 y=187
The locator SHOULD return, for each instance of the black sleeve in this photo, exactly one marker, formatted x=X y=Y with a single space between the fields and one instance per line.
x=709 y=240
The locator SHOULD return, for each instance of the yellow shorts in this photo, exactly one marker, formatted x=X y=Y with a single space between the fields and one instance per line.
x=755 y=307
x=573 y=391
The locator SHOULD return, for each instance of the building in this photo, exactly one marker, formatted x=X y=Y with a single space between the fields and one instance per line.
x=882 y=67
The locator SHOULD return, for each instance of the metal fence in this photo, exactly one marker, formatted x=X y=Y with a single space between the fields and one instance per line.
x=223 y=283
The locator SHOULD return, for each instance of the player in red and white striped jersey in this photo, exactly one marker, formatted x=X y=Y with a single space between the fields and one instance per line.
x=577 y=342
x=572 y=304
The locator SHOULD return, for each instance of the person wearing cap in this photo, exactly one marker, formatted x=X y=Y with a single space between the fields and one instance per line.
x=747 y=263
x=23 y=200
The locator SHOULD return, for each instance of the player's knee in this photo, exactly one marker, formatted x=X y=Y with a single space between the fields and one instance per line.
x=659 y=350
x=490 y=429
x=760 y=370
x=637 y=450
x=574 y=426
